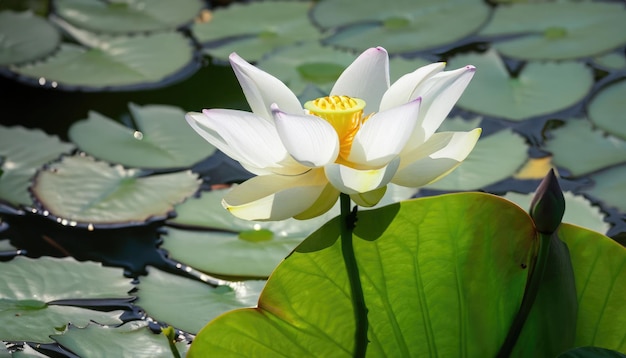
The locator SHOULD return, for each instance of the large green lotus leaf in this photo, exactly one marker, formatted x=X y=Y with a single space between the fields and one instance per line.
x=558 y=30
x=399 y=25
x=28 y=286
x=161 y=140
x=539 y=89
x=188 y=304
x=22 y=152
x=580 y=149
x=133 y=339
x=487 y=164
x=253 y=253
x=25 y=37
x=607 y=109
x=610 y=187
x=591 y=352
x=123 y=16
x=256 y=28
x=578 y=210
x=600 y=270
x=81 y=189
x=115 y=62
x=435 y=284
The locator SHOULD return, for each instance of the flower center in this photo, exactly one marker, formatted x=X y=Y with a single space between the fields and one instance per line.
x=344 y=113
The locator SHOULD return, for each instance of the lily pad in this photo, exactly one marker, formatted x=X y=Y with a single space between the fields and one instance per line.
x=161 y=140
x=611 y=60
x=487 y=164
x=256 y=28
x=30 y=286
x=25 y=37
x=79 y=188
x=117 y=62
x=188 y=304
x=607 y=109
x=578 y=210
x=434 y=284
x=133 y=339
x=539 y=89
x=600 y=269
x=22 y=152
x=400 y=25
x=610 y=187
x=252 y=253
x=124 y=16
x=558 y=30
x=580 y=149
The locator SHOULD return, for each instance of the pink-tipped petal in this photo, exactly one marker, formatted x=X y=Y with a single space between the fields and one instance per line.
x=262 y=89
x=366 y=78
x=405 y=88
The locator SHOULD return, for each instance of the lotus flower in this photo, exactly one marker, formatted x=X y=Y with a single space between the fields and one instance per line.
x=363 y=136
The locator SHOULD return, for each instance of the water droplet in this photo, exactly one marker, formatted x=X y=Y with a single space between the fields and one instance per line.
x=45 y=213
x=64 y=222
x=257 y=227
x=188 y=269
x=54 y=84
x=42 y=81
x=59 y=220
x=204 y=277
x=33 y=210
x=138 y=135
x=73 y=223
x=90 y=227
x=178 y=266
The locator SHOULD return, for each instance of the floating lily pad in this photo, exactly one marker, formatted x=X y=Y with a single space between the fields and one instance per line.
x=578 y=210
x=558 y=30
x=539 y=89
x=29 y=286
x=82 y=189
x=5 y=245
x=495 y=157
x=256 y=28
x=611 y=60
x=124 y=16
x=610 y=187
x=25 y=37
x=133 y=339
x=116 y=62
x=579 y=148
x=608 y=107
x=22 y=152
x=189 y=304
x=252 y=253
x=162 y=138
x=399 y=25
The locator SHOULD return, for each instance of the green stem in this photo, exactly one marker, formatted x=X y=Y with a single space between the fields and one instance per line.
x=532 y=289
x=348 y=220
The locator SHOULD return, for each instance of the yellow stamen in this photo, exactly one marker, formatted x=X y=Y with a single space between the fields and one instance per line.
x=344 y=113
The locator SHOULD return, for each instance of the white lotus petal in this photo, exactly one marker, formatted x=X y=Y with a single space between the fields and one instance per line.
x=247 y=138
x=404 y=89
x=353 y=181
x=366 y=78
x=370 y=198
x=275 y=197
x=262 y=89
x=325 y=202
x=384 y=135
x=436 y=158
x=310 y=140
